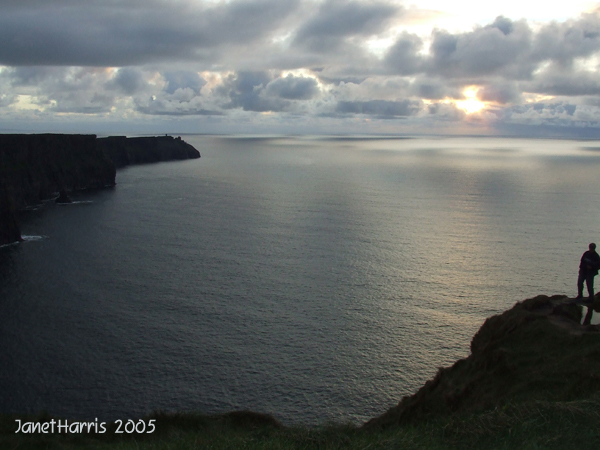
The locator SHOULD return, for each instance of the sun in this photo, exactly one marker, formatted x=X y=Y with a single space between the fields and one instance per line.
x=471 y=104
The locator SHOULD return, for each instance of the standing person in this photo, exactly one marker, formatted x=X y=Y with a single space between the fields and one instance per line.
x=588 y=269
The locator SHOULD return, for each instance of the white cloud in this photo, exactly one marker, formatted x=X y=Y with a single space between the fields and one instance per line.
x=230 y=60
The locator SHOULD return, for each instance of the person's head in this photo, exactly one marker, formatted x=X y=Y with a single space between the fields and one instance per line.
x=592 y=246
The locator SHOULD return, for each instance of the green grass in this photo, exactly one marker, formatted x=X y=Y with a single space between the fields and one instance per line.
x=532 y=425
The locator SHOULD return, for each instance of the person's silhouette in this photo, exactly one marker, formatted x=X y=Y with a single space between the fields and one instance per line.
x=588 y=269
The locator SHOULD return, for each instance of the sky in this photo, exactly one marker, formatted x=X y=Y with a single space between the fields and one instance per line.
x=513 y=68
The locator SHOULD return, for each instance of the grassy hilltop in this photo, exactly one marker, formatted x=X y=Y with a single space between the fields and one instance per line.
x=532 y=381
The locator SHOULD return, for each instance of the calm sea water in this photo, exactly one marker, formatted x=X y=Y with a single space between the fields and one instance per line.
x=312 y=278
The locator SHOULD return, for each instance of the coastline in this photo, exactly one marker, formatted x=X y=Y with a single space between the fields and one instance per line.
x=35 y=167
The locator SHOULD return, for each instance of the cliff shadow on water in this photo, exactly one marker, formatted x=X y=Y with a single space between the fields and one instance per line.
x=36 y=167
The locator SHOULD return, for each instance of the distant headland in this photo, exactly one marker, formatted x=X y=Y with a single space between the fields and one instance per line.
x=36 y=167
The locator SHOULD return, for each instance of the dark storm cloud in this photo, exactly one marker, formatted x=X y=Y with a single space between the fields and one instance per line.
x=75 y=90
x=501 y=48
x=500 y=92
x=541 y=108
x=128 y=80
x=247 y=82
x=591 y=101
x=183 y=79
x=404 y=57
x=505 y=48
x=445 y=111
x=32 y=76
x=497 y=49
x=501 y=53
x=6 y=99
x=554 y=81
x=260 y=91
x=293 y=88
x=257 y=103
x=245 y=89
x=435 y=89
x=337 y=20
x=81 y=90
x=336 y=81
x=380 y=108
x=163 y=107
x=118 y=33
x=96 y=105
x=563 y=42
x=556 y=113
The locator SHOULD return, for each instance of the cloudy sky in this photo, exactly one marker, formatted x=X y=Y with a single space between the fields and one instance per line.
x=515 y=67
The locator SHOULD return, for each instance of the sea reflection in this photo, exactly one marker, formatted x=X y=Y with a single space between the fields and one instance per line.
x=318 y=279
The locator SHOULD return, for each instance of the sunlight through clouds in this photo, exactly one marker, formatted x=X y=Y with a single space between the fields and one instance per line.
x=392 y=65
x=471 y=104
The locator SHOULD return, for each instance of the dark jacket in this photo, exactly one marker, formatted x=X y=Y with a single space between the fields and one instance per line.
x=590 y=263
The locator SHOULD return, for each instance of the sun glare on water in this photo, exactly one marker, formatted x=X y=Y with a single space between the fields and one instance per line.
x=471 y=104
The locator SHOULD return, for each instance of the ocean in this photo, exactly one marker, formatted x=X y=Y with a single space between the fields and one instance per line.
x=314 y=278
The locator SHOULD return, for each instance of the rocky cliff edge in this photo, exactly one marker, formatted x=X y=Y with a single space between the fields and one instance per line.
x=541 y=349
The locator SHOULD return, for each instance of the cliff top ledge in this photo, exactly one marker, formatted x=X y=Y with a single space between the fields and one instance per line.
x=123 y=151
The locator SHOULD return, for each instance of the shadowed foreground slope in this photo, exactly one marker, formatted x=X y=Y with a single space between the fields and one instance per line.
x=536 y=351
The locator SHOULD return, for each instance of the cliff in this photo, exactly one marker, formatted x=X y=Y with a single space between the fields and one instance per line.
x=536 y=351
x=9 y=226
x=123 y=151
x=34 y=167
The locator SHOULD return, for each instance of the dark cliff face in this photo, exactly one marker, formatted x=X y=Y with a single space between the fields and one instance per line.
x=34 y=167
x=9 y=226
x=123 y=151
x=37 y=166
